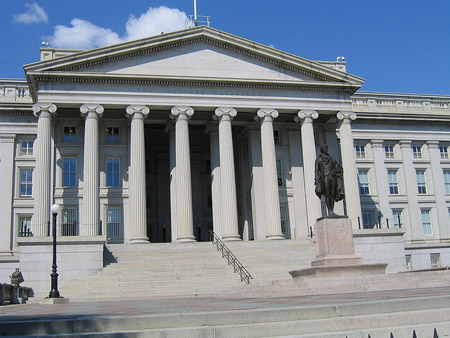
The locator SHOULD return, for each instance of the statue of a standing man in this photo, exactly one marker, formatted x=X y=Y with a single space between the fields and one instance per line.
x=328 y=179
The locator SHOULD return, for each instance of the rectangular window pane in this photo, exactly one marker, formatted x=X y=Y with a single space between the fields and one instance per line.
x=389 y=151
x=112 y=172
x=113 y=219
x=417 y=151
x=397 y=218
x=112 y=134
x=393 y=184
x=26 y=147
x=363 y=177
x=426 y=222
x=368 y=220
x=444 y=152
x=69 y=172
x=421 y=183
x=360 y=151
x=26 y=182
x=276 y=136
x=69 y=221
x=25 y=227
x=70 y=134
x=447 y=181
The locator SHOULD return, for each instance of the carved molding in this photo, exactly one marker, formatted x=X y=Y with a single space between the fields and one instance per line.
x=306 y=116
x=40 y=107
x=98 y=109
x=181 y=111
x=133 y=109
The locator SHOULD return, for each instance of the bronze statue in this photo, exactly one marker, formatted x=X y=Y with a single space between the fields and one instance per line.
x=328 y=179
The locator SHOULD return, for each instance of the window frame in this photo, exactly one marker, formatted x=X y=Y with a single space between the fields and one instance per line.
x=365 y=223
x=443 y=150
x=280 y=176
x=427 y=225
x=112 y=137
x=417 y=151
x=389 y=151
x=446 y=174
x=360 y=150
x=70 y=137
x=20 y=229
x=113 y=176
x=397 y=218
x=28 y=184
x=26 y=151
x=421 y=184
x=364 y=187
x=393 y=184
x=110 y=225
x=71 y=174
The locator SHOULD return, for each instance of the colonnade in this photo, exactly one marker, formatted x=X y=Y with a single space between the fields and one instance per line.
x=224 y=196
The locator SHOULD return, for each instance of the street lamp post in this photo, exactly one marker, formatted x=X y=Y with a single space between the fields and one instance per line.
x=54 y=293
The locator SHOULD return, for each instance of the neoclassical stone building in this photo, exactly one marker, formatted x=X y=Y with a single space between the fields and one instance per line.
x=168 y=137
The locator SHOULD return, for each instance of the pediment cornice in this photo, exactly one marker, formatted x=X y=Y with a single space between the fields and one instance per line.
x=86 y=61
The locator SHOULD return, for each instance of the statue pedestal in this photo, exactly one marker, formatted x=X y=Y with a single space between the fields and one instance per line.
x=336 y=252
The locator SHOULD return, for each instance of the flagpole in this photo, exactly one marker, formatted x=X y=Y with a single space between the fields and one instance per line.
x=195 y=13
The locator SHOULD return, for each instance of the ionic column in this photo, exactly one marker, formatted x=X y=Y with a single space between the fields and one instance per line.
x=213 y=131
x=138 y=208
x=41 y=179
x=170 y=129
x=272 y=199
x=439 y=189
x=351 y=187
x=91 y=224
x=185 y=224
x=382 y=178
x=227 y=175
x=313 y=205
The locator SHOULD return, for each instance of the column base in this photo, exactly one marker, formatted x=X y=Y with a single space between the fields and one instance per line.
x=139 y=240
x=275 y=236
x=230 y=238
x=186 y=239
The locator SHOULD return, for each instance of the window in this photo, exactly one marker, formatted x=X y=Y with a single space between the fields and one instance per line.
x=393 y=183
x=408 y=262
x=363 y=176
x=112 y=172
x=25 y=227
x=368 y=220
x=444 y=152
x=421 y=183
x=112 y=134
x=280 y=172
x=69 y=172
x=360 y=151
x=69 y=224
x=113 y=217
x=389 y=151
x=417 y=151
x=276 y=136
x=284 y=219
x=397 y=218
x=426 y=222
x=26 y=147
x=435 y=259
x=447 y=181
x=26 y=182
x=70 y=134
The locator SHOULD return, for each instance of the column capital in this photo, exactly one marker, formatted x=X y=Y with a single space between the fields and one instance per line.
x=433 y=144
x=377 y=143
x=181 y=111
x=266 y=113
x=132 y=110
x=225 y=112
x=85 y=109
x=346 y=116
x=46 y=108
x=306 y=116
x=405 y=143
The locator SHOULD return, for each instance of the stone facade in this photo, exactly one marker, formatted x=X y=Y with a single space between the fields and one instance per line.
x=164 y=139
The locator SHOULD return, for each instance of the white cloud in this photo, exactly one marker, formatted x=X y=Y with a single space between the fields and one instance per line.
x=33 y=14
x=85 y=35
x=82 y=35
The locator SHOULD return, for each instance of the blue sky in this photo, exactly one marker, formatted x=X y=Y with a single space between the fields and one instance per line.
x=396 y=45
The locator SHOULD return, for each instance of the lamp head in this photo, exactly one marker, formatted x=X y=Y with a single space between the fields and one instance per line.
x=55 y=208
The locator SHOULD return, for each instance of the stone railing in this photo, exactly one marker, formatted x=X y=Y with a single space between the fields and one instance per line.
x=14 y=91
x=385 y=102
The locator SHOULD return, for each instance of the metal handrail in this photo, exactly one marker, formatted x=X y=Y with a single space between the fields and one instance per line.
x=226 y=253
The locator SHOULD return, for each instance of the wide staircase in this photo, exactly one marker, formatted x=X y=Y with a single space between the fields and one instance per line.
x=185 y=269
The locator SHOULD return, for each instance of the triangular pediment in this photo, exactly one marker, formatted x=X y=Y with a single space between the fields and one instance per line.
x=200 y=53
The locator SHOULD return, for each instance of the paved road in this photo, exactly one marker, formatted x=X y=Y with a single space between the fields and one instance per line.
x=131 y=307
